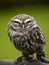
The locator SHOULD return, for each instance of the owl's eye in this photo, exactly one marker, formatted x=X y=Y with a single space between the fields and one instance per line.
x=28 y=21
x=16 y=23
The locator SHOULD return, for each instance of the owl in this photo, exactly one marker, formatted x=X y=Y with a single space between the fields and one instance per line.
x=26 y=36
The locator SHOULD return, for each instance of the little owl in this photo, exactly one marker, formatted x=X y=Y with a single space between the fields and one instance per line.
x=26 y=36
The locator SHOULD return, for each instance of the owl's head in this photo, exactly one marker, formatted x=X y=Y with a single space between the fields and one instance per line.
x=21 y=24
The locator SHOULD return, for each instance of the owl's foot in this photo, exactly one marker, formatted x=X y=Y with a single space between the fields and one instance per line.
x=19 y=59
x=33 y=56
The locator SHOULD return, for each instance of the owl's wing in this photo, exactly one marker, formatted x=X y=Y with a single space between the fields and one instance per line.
x=40 y=42
x=39 y=36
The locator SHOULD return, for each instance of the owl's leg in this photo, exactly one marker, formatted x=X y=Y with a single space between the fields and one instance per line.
x=20 y=58
x=33 y=56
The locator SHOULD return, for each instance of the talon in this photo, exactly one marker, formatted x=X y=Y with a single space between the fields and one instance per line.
x=33 y=56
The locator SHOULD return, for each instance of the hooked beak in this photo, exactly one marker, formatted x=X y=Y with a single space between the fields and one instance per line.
x=23 y=26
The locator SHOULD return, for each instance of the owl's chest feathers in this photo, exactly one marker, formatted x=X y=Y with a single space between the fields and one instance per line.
x=24 y=40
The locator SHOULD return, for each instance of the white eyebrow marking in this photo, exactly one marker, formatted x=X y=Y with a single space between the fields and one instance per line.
x=27 y=20
x=18 y=20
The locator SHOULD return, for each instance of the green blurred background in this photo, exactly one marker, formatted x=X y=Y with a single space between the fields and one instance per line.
x=38 y=9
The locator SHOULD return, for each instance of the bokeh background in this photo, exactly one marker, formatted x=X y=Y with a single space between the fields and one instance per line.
x=39 y=9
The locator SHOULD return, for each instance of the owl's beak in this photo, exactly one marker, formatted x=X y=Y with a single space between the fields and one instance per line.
x=23 y=26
